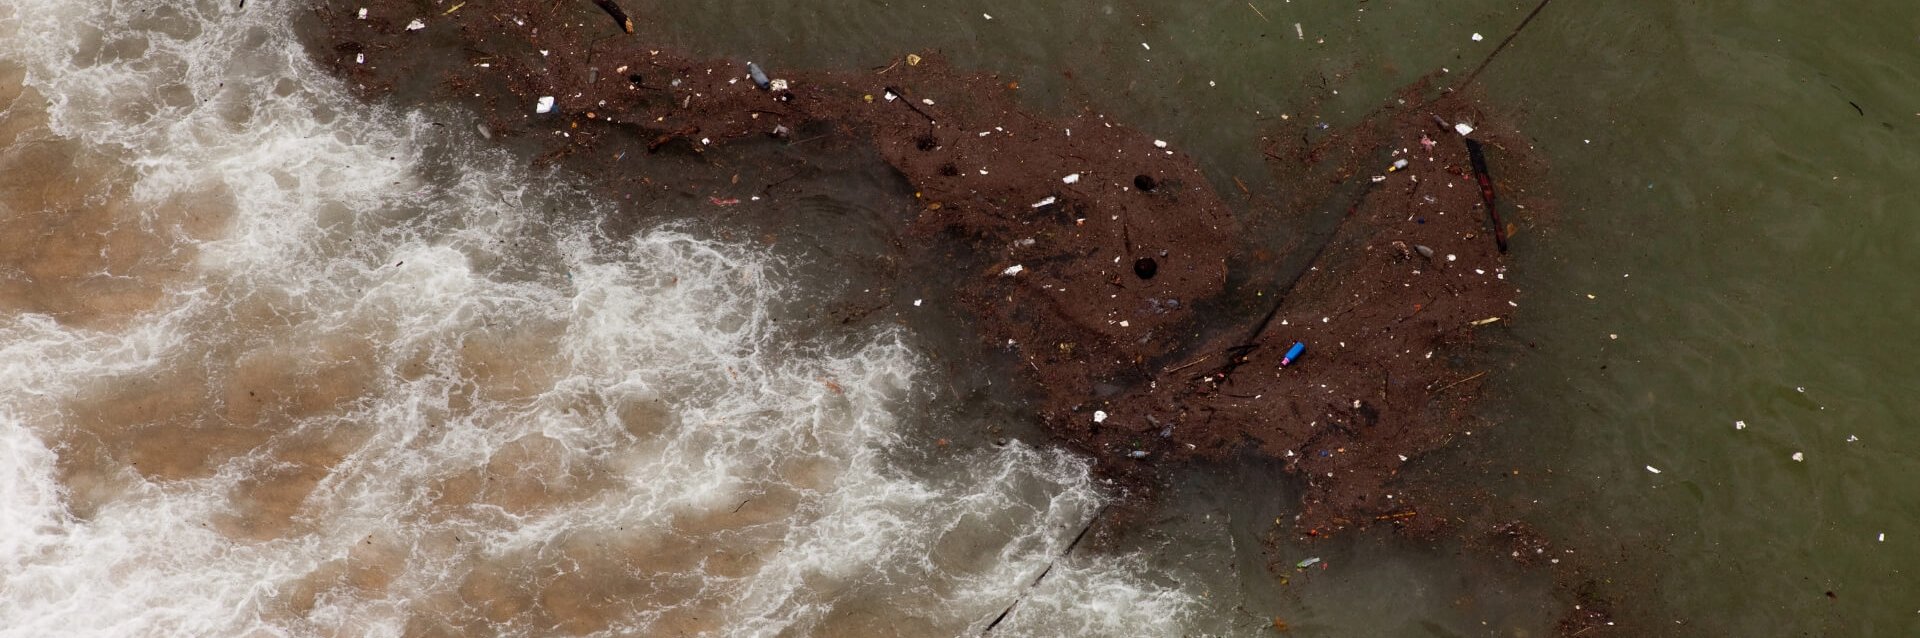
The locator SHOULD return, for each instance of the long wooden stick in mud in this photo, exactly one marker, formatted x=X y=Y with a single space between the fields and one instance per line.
x=1043 y=573
x=620 y=16
x=1479 y=159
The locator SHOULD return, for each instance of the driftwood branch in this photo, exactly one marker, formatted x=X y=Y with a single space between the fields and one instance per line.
x=613 y=9
x=1043 y=573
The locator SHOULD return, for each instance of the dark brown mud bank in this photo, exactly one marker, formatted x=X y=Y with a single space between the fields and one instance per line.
x=1091 y=244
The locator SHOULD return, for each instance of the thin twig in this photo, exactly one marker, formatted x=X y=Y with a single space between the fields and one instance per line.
x=1503 y=43
x=1444 y=387
x=1043 y=573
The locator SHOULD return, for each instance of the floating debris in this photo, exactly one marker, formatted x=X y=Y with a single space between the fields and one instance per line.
x=759 y=76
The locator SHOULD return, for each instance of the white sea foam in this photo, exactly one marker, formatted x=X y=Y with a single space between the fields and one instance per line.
x=475 y=387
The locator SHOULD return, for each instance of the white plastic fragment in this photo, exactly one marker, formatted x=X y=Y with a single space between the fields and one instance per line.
x=544 y=105
x=1099 y=416
x=916 y=303
x=1045 y=202
x=1799 y=457
x=1477 y=37
x=1159 y=144
x=926 y=101
x=1299 y=32
x=363 y=13
x=1123 y=323
x=1071 y=178
x=416 y=25
x=360 y=58
x=889 y=95
x=1883 y=537
x=1739 y=425
x=777 y=85
x=1653 y=469
x=1143 y=45
x=986 y=16
x=1307 y=563
x=1012 y=270
x=1463 y=128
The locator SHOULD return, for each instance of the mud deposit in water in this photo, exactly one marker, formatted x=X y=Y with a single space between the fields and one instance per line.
x=1093 y=260
x=1082 y=250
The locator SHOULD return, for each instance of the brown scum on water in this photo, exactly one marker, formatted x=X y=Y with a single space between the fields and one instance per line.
x=1092 y=244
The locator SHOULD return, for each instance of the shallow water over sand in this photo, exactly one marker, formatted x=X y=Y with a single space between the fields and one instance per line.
x=279 y=363
x=274 y=362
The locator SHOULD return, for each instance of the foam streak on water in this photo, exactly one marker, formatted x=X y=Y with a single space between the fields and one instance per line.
x=274 y=363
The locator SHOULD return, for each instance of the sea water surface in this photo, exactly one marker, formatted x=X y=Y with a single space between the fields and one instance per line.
x=274 y=362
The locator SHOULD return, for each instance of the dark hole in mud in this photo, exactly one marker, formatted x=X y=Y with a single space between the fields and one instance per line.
x=927 y=143
x=1145 y=183
x=636 y=79
x=1146 y=267
x=949 y=170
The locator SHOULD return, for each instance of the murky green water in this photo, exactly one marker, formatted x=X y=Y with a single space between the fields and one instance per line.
x=1745 y=234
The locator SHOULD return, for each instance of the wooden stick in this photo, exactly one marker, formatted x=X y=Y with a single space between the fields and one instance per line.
x=1503 y=43
x=1043 y=573
x=1479 y=159
x=619 y=15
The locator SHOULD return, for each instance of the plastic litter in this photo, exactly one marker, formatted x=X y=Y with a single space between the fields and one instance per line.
x=1463 y=128
x=1293 y=354
x=1071 y=178
x=416 y=25
x=544 y=105
x=759 y=76
x=1012 y=270
x=1799 y=457
x=1045 y=202
x=1653 y=469
x=1137 y=454
x=1307 y=563
x=1099 y=416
